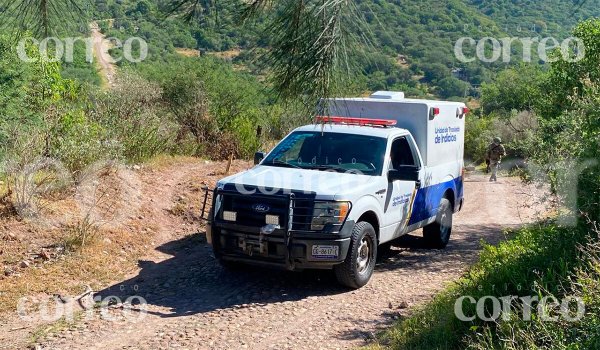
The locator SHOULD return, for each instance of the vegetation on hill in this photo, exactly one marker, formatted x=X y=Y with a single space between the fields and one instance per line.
x=406 y=45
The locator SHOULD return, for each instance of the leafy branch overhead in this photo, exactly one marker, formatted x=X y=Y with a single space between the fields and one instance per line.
x=309 y=40
x=40 y=17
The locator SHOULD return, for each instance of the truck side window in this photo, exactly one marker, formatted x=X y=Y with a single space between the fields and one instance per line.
x=401 y=153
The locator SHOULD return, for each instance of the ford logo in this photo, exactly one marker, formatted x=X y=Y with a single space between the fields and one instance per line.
x=261 y=208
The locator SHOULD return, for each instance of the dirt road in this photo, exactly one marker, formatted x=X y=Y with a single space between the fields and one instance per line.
x=106 y=66
x=193 y=303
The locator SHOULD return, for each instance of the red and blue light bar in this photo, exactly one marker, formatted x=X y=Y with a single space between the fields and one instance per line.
x=355 y=121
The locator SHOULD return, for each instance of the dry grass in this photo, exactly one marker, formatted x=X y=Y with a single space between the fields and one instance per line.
x=98 y=255
x=80 y=235
x=187 y=52
x=226 y=55
x=164 y=161
x=179 y=209
x=90 y=254
x=96 y=263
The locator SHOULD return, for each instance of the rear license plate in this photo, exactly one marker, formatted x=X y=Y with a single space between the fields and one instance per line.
x=325 y=251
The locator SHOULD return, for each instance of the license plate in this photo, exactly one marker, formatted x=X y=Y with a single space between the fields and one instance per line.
x=325 y=251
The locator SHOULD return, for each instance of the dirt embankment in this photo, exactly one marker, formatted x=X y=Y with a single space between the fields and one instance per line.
x=194 y=303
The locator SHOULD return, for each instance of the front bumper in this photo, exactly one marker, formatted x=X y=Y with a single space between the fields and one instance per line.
x=243 y=244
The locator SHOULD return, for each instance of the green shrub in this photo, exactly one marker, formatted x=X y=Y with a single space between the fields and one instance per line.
x=478 y=134
x=536 y=260
x=78 y=142
x=134 y=118
x=245 y=132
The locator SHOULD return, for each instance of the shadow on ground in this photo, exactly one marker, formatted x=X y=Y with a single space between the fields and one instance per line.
x=192 y=281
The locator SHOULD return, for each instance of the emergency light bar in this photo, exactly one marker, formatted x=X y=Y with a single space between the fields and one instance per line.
x=355 y=121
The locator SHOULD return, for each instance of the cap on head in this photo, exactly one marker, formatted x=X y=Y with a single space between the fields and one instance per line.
x=497 y=140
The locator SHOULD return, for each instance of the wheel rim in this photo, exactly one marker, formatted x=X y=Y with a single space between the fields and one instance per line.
x=363 y=258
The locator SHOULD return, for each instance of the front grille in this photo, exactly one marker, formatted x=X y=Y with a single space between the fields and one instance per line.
x=277 y=202
x=251 y=209
x=244 y=205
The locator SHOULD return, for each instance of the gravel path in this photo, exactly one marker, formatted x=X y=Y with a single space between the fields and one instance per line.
x=193 y=303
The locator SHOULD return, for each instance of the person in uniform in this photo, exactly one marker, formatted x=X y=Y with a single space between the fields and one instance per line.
x=494 y=155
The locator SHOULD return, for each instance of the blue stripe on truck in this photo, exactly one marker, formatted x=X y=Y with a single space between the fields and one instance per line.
x=428 y=199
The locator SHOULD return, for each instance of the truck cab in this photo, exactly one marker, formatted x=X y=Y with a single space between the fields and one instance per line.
x=332 y=193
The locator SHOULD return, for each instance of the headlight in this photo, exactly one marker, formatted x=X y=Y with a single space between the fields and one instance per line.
x=329 y=213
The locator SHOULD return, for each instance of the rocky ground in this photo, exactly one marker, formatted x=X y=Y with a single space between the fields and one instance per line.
x=193 y=303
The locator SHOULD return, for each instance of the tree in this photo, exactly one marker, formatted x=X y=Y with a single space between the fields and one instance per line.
x=513 y=89
x=308 y=44
x=434 y=72
x=41 y=18
x=570 y=76
x=452 y=87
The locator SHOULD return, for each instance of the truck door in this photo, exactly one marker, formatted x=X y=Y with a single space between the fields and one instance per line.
x=398 y=205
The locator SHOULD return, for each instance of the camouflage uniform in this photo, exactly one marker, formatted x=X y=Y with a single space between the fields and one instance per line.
x=494 y=155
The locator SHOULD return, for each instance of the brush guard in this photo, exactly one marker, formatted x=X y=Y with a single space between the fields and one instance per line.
x=253 y=237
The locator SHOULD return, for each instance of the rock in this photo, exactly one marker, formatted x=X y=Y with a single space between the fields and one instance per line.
x=136 y=167
x=403 y=305
x=24 y=264
x=44 y=255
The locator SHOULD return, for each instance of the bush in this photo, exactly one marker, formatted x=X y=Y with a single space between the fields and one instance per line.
x=135 y=119
x=537 y=260
x=78 y=142
x=478 y=134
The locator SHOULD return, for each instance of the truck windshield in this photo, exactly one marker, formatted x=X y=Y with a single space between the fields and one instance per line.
x=330 y=151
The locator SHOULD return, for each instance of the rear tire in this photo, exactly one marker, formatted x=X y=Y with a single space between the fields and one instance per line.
x=357 y=269
x=437 y=234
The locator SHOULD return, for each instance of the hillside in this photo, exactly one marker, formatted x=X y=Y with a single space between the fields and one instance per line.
x=411 y=46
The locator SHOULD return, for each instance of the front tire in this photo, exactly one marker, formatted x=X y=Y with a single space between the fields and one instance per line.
x=357 y=269
x=437 y=234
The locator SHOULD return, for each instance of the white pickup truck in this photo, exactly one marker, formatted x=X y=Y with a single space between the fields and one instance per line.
x=333 y=192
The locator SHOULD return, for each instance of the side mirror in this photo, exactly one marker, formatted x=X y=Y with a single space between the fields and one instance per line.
x=258 y=157
x=404 y=173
